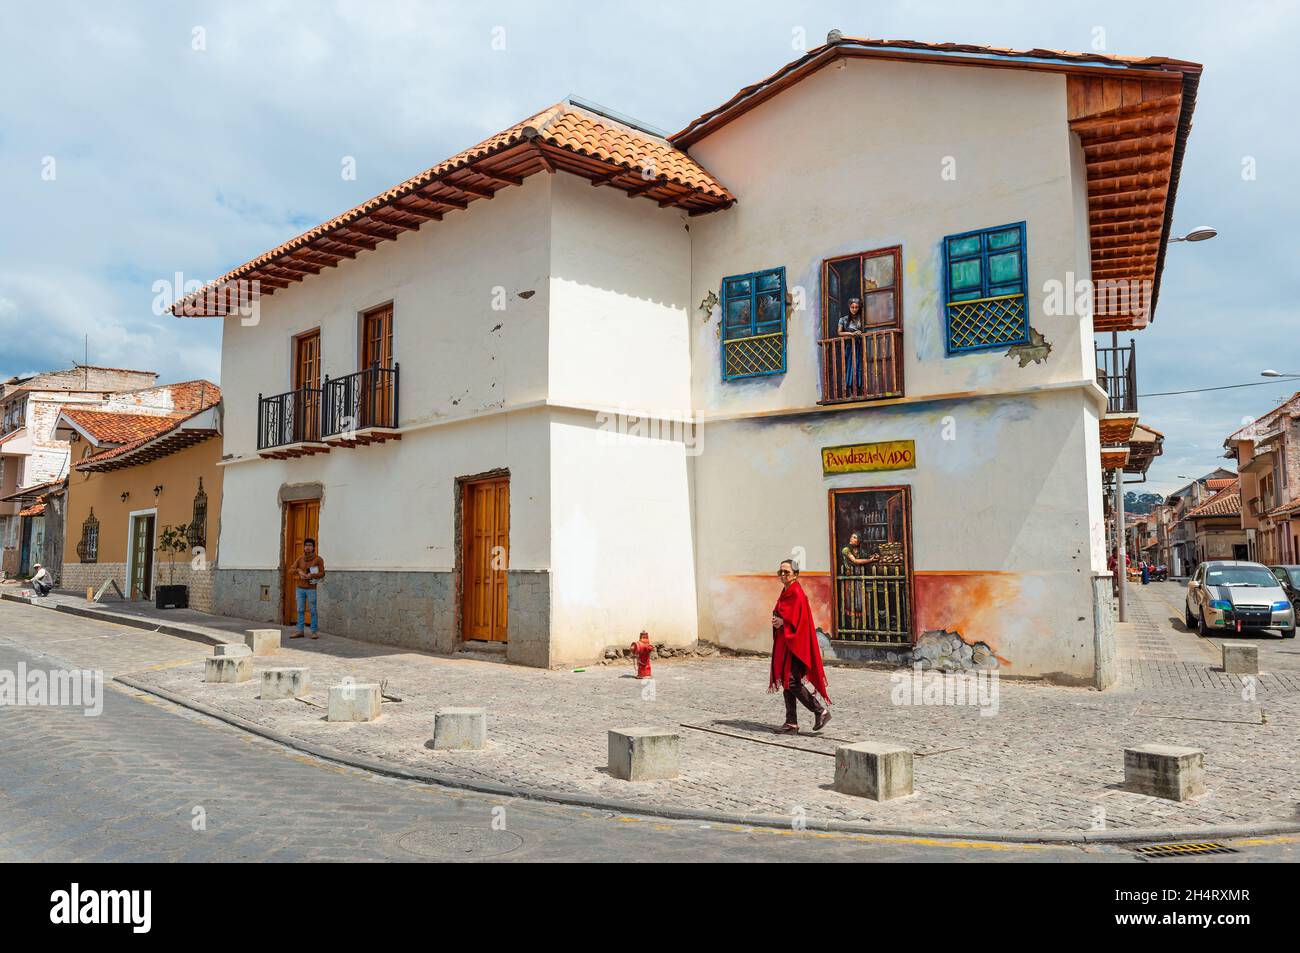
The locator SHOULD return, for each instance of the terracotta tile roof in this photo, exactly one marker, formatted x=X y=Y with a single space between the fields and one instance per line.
x=917 y=50
x=1219 y=484
x=1227 y=502
x=1285 y=510
x=165 y=425
x=564 y=136
x=36 y=510
x=109 y=427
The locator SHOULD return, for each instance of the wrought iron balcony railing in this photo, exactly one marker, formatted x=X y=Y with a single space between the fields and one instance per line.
x=362 y=401
x=1117 y=375
x=289 y=418
x=866 y=366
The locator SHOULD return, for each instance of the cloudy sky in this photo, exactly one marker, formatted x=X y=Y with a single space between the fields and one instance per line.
x=142 y=139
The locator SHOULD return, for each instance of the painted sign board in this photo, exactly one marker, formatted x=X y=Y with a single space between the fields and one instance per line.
x=869 y=457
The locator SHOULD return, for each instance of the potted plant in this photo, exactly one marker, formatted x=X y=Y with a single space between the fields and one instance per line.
x=172 y=540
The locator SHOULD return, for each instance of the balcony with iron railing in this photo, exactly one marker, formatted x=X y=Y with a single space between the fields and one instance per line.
x=289 y=424
x=864 y=366
x=349 y=411
x=1117 y=376
x=362 y=408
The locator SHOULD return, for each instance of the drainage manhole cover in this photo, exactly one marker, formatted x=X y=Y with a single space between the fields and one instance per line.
x=464 y=842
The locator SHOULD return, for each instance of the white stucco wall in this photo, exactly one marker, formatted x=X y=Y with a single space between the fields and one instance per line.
x=464 y=365
x=459 y=353
x=851 y=159
x=621 y=544
x=1002 y=499
x=620 y=280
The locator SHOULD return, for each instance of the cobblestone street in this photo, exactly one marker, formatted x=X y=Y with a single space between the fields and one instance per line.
x=1048 y=759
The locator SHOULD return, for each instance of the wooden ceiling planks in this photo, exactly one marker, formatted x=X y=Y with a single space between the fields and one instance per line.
x=1128 y=129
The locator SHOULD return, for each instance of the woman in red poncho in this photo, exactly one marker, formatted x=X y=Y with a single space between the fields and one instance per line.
x=796 y=655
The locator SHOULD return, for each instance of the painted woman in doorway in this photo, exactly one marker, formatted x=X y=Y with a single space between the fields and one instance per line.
x=796 y=654
x=852 y=594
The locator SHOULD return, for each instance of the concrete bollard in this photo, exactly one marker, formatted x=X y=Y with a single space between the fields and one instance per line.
x=263 y=641
x=873 y=769
x=284 y=683
x=228 y=668
x=459 y=729
x=1240 y=658
x=643 y=754
x=227 y=649
x=1166 y=771
x=353 y=702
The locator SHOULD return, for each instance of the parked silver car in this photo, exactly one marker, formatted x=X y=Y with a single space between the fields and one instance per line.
x=1235 y=596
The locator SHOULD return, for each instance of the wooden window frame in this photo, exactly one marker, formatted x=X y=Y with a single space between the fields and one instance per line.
x=363 y=319
x=830 y=323
x=986 y=286
x=726 y=335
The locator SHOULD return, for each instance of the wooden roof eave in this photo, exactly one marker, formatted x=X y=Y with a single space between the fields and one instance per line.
x=455 y=189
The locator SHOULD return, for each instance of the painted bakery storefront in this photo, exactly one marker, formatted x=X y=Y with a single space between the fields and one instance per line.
x=868 y=352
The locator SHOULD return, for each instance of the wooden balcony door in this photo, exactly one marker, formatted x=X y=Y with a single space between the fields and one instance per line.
x=864 y=360
x=306 y=381
x=301 y=520
x=485 y=521
x=377 y=352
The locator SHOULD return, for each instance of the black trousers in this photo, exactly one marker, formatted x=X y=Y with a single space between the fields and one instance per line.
x=797 y=691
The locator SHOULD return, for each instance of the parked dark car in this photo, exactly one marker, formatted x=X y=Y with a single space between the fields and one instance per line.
x=1289 y=576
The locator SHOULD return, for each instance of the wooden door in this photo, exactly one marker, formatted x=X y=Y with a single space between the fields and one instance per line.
x=873 y=594
x=306 y=381
x=485 y=516
x=301 y=519
x=142 y=556
x=377 y=357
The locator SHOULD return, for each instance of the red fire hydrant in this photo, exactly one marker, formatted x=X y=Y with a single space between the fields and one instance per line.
x=642 y=648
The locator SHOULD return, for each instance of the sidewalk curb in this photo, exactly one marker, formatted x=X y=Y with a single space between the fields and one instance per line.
x=328 y=753
x=193 y=633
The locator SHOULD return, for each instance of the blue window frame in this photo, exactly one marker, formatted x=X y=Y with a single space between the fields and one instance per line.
x=984 y=281
x=753 y=324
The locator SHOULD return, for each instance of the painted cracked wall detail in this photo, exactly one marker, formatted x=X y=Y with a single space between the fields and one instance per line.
x=946 y=651
x=1036 y=350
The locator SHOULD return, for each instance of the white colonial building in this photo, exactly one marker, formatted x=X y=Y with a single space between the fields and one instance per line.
x=616 y=395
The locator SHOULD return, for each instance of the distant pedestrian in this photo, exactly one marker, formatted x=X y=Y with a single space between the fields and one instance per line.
x=308 y=571
x=42 y=581
x=1146 y=572
x=796 y=654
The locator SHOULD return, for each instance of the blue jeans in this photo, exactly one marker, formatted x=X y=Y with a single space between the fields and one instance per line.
x=306 y=598
x=853 y=367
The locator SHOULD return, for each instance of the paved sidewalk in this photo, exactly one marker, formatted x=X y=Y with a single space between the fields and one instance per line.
x=1049 y=759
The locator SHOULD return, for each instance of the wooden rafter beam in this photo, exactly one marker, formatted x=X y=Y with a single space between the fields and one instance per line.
x=381 y=216
x=317 y=256
x=497 y=176
x=352 y=243
x=376 y=232
x=482 y=191
x=451 y=201
x=420 y=213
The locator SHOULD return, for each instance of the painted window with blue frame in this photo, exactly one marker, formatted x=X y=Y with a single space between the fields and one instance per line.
x=753 y=324
x=984 y=289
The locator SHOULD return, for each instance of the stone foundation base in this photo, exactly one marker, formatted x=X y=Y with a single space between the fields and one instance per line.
x=410 y=610
x=77 y=576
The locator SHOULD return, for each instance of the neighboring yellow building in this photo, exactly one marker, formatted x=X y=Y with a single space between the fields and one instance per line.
x=135 y=471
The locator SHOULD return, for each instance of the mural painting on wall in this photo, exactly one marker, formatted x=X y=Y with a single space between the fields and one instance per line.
x=869 y=457
x=871 y=539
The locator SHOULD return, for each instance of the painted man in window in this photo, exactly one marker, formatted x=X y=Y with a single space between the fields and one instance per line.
x=851 y=325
